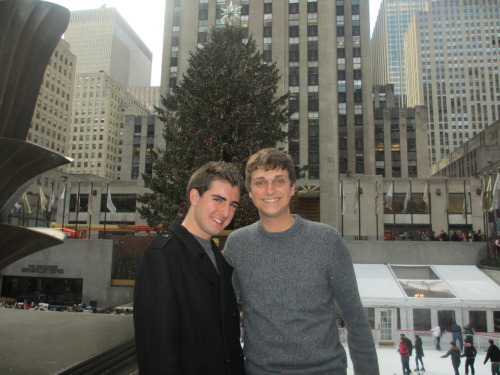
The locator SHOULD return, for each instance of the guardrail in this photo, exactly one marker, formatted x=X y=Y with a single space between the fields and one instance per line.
x=99 y=363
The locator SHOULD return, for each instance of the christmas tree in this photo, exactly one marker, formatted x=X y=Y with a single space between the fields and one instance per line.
x=225 y=108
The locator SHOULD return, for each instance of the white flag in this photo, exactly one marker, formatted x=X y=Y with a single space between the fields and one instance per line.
x=43 y=199
x=388 y=197
x=26 y=204
x=407 y=199
x=63 y=194
x=495 y=202
x=342 y=198
x=425 y=197
x=109 y=203
x=90 y=201
x=52 y=200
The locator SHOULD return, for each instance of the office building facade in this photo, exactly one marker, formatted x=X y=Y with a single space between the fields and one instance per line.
x=387 y=44
x=52 y=115
x=322 y=49
x=103 y=41
x=96 y=135
x=452 y=57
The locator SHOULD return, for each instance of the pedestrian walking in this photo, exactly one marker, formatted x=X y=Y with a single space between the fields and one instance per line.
x=470 y=356
x=454 y=352
x=493 y=354
x=437 y=333
x=404 y=352
x=419 y=353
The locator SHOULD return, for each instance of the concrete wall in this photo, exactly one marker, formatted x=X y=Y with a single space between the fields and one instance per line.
x=91 y=260
x=417 y=252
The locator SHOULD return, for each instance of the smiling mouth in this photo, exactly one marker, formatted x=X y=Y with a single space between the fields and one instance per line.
x=272 y=200
x=218 y=221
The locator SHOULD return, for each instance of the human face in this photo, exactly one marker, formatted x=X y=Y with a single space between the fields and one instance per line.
x=214 y=210
x=271 y=192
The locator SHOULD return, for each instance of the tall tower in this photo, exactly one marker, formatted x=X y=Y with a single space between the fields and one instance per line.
x=388 y=44
x=52 y=115
x=452 y=57
x=102 y=40
x=322 y=49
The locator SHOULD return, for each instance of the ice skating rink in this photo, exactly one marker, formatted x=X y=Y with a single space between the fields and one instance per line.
x=390 y=362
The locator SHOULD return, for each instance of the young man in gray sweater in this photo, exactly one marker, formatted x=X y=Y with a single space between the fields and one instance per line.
x=290 y=272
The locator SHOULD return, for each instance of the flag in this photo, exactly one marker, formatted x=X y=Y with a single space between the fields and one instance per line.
x=388 y=197
x=407 y=198
x=495 y=201
x=425 y=197
x=43 y=199
x=109 y=204
x=464 y=207
x=77 y=208
x=52 y=200
x=375 y=199
x=89 y=204
x=342 y=198
x=63 y=194
x=17 y=206
x=26 y=204
x=487 y=195
x=356 y=199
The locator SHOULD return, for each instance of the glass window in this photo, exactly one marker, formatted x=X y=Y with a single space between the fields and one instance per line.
x=422 y=319
x=477 y=320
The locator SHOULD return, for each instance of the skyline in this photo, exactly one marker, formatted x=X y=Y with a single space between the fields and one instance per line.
x=148 y=21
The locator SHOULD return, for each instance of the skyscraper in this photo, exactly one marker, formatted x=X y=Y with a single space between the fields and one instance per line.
x=322 y=49
x=388 y=44
x=52 y=115
x=452 y=57
x=103 y=41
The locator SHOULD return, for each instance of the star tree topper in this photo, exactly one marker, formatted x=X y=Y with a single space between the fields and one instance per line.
x=231 y=13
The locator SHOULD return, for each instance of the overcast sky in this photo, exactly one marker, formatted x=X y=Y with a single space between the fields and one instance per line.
x=146 y=18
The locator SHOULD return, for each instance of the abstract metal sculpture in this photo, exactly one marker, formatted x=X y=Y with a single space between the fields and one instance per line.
x=29 y=33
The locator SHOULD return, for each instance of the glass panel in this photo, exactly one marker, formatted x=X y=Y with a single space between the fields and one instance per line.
x=445 y=319
x=422 y=319
x=477 y=319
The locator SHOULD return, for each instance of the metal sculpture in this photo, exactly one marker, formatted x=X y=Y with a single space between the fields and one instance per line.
x=29 y=33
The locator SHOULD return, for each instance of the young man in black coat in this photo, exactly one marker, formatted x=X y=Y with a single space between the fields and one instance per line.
x=185 y=312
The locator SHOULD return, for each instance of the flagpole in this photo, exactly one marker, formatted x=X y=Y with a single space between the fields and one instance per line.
x=429 y=209
x=77 y=210
x=411 y=212
x=359 y=210
x=49 y=212
x=38 y=208
x=483 y=204
x=376 y=207
x=342 y=205
x=89 y=209
x=465 y=204
x=64 y=202
x=106 y=212
x=447 y=211
x=393 y=211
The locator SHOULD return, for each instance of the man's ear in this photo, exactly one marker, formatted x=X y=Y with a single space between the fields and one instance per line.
x=194 y=197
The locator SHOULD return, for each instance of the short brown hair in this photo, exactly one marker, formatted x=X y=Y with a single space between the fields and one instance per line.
x=203 y=177
x=269 y=159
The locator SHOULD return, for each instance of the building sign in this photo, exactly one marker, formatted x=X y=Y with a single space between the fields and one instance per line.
x=43 y=269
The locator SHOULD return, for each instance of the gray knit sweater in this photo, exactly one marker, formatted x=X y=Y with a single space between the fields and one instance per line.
x=289 y=283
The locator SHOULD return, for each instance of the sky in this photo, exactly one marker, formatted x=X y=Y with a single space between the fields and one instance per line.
x=146 y=18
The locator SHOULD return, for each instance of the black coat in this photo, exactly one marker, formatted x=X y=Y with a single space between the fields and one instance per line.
x=185 y=314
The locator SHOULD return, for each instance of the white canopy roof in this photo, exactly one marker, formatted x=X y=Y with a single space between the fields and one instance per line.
x=379 y=286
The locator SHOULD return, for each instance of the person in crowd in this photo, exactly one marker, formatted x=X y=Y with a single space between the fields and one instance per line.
x=437 y=333
x=186 y=315
x=493 y=355
x=419 y=354
x=469 y=333
x=463 y=237
x=290 y=274
x=408 y=343
x=404 y=353
x=454 y=352
x=457 y=334
x=470 y=356
x=455 y=236
x=497 y=245
x=443 y=236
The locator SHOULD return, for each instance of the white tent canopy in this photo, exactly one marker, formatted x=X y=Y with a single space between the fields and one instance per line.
x=467 y=286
